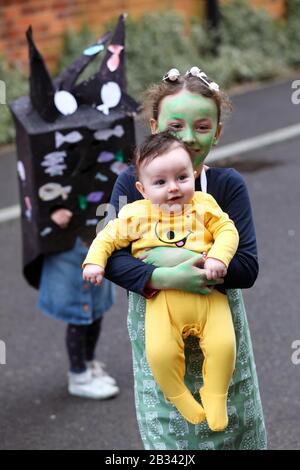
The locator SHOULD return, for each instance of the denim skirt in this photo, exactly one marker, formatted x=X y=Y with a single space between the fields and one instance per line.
x=65 y=296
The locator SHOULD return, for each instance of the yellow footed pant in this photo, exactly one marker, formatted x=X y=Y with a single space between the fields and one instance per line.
x=170 y=317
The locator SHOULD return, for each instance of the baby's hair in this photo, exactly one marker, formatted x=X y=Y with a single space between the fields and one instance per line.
x=155 y=94
x=154 y=146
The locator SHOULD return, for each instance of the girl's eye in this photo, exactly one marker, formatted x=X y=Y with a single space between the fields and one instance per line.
x=175 y=126
x=203 y=128
x=159 y=182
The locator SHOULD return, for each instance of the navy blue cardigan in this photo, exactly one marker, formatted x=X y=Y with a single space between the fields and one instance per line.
x=228 y=188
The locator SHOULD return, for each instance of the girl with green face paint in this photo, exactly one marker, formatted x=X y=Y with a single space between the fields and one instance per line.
x=193 y=111
x=188 y=108
x=192 y=118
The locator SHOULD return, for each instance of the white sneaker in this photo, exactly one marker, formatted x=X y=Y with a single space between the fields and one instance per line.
x=98 y=370
x=87 y=386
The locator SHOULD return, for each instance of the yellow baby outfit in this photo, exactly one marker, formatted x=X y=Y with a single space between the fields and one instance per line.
x=172 y=315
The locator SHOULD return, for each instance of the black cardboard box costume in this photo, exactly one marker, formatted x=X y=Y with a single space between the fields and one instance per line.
x=72 y=142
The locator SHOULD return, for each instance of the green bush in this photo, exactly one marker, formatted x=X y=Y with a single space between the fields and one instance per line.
x=156 y=43
x=293 y=32
x=16 y=85
x=253 y=47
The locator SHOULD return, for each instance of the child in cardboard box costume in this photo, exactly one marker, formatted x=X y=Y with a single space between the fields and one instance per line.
x=72 y=142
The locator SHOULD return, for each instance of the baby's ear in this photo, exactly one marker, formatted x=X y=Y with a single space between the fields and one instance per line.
x=140 y=188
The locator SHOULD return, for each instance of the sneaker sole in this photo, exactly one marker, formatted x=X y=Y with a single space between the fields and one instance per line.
x=83 y=394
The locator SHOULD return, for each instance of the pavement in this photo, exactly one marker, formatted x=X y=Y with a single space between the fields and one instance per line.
x=36 y=411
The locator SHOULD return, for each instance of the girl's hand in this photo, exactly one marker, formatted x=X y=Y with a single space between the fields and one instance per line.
x=214 y=268
x=93 y=273
x=62 y=217
x=187 y=276
x=164 y=256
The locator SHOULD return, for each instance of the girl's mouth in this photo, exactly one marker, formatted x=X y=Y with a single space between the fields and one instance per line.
x=194 y=150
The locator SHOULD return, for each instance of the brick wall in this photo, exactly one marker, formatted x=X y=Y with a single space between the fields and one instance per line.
x=50 y=18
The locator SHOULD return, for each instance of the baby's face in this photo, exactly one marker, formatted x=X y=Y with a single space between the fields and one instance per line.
x=169 y=179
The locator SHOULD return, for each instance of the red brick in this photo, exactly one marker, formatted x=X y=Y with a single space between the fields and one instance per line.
x=50 y=19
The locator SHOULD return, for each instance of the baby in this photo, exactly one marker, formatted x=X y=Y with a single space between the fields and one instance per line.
x=173 y=214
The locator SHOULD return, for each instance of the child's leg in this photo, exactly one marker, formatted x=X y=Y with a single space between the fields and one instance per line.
x=218 y=346
x=165 y=354
x=92 y=336
x=82 y=381
x=97 y=367
x=76 y=347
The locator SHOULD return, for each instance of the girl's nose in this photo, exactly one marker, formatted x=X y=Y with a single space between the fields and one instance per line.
x=188 y=136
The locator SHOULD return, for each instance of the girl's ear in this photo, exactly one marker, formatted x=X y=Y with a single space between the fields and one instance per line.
x=218 y=133
x=153 y=126
x=140 y=189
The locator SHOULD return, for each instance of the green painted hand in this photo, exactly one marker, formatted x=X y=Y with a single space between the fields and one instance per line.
x=187 y=276
x=165 y=256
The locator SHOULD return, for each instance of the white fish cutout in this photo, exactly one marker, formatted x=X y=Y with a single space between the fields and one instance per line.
x=54 y=162
x=70 y=138
x=21 y=171
x=56 y=170
x=65 y=102
x=110 y=96
x=46 y=231
x=51 y=191
x=105 y=134
x=91 y=221
x=101 y=177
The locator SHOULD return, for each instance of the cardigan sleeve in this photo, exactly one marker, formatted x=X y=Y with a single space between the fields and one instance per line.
x=243 y=269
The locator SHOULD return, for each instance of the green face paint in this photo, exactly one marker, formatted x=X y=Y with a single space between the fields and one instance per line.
x=192 y=118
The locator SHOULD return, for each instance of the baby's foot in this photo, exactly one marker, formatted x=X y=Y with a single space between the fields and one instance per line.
x=215 y=407
x=190 y=409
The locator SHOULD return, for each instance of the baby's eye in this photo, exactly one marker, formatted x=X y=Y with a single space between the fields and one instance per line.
x=182 y=177
x=159 y=182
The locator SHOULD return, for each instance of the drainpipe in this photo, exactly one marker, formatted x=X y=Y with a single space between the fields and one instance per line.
x=213 y=20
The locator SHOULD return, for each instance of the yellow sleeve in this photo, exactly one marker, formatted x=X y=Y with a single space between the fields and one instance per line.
x=117 y=234
x=222 y=228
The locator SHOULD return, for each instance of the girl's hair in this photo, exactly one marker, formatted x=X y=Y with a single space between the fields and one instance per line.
x=156 y=93
x=154 y=146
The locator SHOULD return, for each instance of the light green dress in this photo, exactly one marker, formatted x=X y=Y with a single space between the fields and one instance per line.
x=160 y=424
